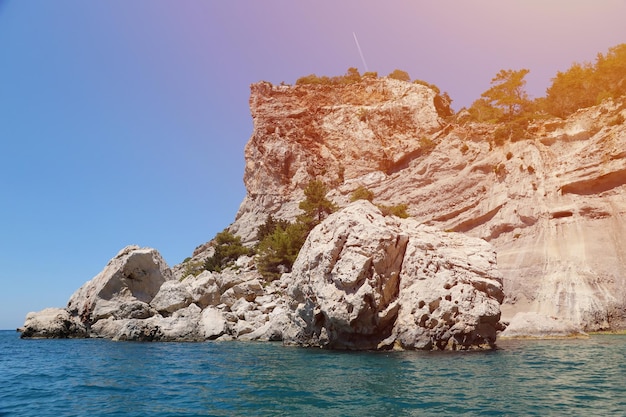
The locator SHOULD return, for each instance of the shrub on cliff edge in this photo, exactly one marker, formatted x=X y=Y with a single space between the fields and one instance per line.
x=228 y=248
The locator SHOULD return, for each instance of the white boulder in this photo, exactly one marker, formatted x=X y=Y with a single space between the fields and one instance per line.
x=365 y=281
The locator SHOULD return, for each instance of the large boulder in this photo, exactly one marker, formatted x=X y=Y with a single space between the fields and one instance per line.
x=124 y=288
x=52 y=323
x=366 y=281
x=173 y=295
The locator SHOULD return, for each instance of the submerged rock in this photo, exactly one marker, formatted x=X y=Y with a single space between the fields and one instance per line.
x=365 y=281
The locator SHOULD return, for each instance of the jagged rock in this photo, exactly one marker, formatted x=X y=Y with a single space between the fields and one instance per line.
x=536 y=325
x=339 y=133
x=137 y=330
x=52 y=323
x=241 y=328
x=182 y=325
x=108 y=328
x=365 y=281
x=551 y=202
x=212 y=323
x=173 y=295
x=123 y=289
x=240 y=307
x=204 y=290
x=272 y=329
x=247 y=290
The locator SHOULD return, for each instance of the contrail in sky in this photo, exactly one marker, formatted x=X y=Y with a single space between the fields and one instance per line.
x=360 y=52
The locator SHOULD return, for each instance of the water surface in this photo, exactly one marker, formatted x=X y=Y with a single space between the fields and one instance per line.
x=104 y=378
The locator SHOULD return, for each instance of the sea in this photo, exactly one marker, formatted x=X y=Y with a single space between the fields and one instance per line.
x=95 y=377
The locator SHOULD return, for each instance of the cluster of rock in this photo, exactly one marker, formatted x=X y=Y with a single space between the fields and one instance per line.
x=136 y=297
x=361 y=281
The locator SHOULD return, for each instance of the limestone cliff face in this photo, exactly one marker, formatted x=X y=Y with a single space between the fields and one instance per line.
x=552 y=203
x=338 y=133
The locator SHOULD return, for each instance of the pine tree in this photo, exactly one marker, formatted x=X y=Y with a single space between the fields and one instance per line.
x=316 y=206
x=507 y=92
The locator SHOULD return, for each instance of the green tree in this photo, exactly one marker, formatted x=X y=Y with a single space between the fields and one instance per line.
x=352 y=76
x=571 y=90
x=228 y=248
x=400 y=75
x=269 y=226
x=584 y=85
x=279 y=250
x=316 y=206
x=610 y=74
x=482 y=111
x=507 y=92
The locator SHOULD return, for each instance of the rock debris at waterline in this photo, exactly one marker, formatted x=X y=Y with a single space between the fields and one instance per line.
x=361 y=281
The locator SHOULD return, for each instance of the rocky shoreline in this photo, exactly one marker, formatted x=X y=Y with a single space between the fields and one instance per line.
x=361 y=281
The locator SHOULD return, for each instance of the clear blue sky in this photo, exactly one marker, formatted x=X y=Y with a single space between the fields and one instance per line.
x=124 y=122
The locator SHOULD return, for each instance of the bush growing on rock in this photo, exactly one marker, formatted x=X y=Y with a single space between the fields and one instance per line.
x=269 y=227
x=400 y=75
x=228 y=248
x=279 y=248
x=362 y=193
x=192 y=267
x=586 y=84
x=352 y=76
x=399 y=210
x=429 y=85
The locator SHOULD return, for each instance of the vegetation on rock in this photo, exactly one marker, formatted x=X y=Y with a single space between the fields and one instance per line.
x=352 y=76
x=315 y=206
x=228 y=248
x=400 y=75
x=585 y=84
x=362 y=193
x=582 y=85
x=399 y=210
x=280 y=241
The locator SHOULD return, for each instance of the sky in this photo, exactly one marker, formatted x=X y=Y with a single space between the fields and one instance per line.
x=124 y=122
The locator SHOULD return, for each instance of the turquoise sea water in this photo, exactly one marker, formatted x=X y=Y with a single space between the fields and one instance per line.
x=104 y=378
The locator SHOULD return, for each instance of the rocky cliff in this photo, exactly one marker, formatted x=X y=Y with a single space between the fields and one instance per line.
x=551 y=201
